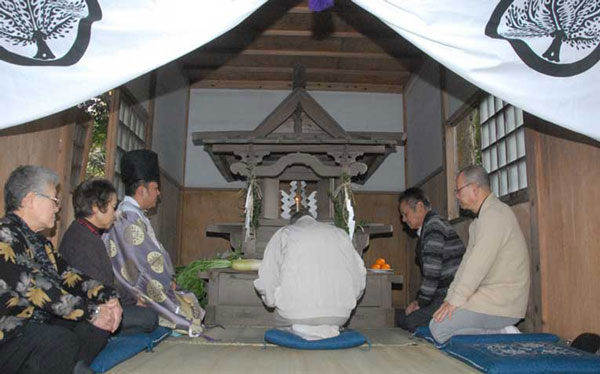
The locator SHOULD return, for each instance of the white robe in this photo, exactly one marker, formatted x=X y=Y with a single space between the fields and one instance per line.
x=311 y=270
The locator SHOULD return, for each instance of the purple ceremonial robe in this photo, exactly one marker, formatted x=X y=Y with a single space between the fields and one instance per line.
x=144 y=268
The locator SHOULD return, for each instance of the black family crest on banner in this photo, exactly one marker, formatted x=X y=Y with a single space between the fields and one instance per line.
x=46 y=33
x=559 y=38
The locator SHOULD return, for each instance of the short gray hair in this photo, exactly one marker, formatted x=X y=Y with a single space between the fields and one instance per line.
x=412 y=196
x=26 y=179
x=297 y=215
x=476 y=174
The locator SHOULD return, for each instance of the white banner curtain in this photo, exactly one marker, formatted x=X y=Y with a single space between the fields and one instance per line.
x=539 y=55
x=55 y=55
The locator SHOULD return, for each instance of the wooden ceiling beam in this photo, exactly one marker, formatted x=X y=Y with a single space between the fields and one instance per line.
x=301 y=8
x=399 y=79
x=338 y=54
x=310 y=86
x=297 y=21
x=215 y=60
x=334 y=79
x=238 y=42
x=307 y=21
x=337 y=21
x=255 y=69
x=340 y=7
x=309 y=33
x=342 y=49
x=314 y=75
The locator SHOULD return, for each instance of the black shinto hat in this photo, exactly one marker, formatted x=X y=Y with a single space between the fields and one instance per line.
x=138 y=165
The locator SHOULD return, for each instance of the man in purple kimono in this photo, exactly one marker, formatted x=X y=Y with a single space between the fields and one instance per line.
x=140 y=263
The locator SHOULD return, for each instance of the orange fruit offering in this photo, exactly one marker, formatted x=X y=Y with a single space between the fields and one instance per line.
x=376 y=266
x=380 y=261
x=386 y=267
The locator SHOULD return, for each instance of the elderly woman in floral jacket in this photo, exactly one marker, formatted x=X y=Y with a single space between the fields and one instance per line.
x=53 y=319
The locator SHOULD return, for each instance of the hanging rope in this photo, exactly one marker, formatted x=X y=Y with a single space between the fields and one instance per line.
x=347 y=208
x=252 y=207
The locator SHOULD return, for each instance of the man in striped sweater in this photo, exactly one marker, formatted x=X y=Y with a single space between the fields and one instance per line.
x=439 y=252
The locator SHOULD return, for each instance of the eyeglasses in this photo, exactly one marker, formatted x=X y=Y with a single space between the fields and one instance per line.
x=457 y=190
x=54 y=199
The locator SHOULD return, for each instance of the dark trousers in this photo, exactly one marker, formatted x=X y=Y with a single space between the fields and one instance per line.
x=138 y=319
x=52 y=348
x=420 y=317
x=91 y=338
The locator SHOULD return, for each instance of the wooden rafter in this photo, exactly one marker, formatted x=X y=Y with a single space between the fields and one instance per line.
x=344 y=49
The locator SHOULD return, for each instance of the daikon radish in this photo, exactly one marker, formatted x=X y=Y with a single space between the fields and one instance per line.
x=245 y=264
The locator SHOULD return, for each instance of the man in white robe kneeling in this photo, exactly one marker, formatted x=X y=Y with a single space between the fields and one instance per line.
x=312 y=275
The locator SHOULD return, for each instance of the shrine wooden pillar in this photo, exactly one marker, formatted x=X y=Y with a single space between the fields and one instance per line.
x=270 y=200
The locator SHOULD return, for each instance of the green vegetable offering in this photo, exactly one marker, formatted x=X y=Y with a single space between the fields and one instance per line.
x=187 y=276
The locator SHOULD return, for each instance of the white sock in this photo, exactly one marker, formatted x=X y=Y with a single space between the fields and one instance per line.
x=510 y=330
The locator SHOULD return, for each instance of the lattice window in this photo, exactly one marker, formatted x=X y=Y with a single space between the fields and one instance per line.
x=132 y=130
x=503 y=145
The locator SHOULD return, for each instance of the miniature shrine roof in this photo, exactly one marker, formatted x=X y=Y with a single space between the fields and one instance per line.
x=298 y=140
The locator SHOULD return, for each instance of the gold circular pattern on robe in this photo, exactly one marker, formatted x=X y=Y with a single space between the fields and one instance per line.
x=154 y=289
x=125 y=274
x=185 y=307
x=133 y=235
x=162 y=321
x=156 y=262
x=189 y=307
x=112 y=248
x=130 y=272
x=196 y=328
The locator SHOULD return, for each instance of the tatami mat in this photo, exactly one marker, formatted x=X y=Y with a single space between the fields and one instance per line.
x=241 y=350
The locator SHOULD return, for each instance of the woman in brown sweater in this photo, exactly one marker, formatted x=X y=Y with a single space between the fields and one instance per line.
x=95 y=202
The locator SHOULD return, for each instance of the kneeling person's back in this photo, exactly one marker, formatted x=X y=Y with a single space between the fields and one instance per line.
x=311 y=274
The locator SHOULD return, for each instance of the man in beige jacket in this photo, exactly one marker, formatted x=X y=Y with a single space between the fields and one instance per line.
x=491 y=287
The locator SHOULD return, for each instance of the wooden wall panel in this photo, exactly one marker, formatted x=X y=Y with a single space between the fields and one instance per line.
x=382 y=207
x=461 y=226
x=565 y=221
x=46 y=142
x=531 y=323
x=200 y=208
x=164 y=221
x=435 y=189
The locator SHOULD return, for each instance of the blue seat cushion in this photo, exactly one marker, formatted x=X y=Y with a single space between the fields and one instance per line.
x=424 y=333
x=120 y=348
x=516 y=353
x=521 y=354
x=346 y=339
x=503 y=338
